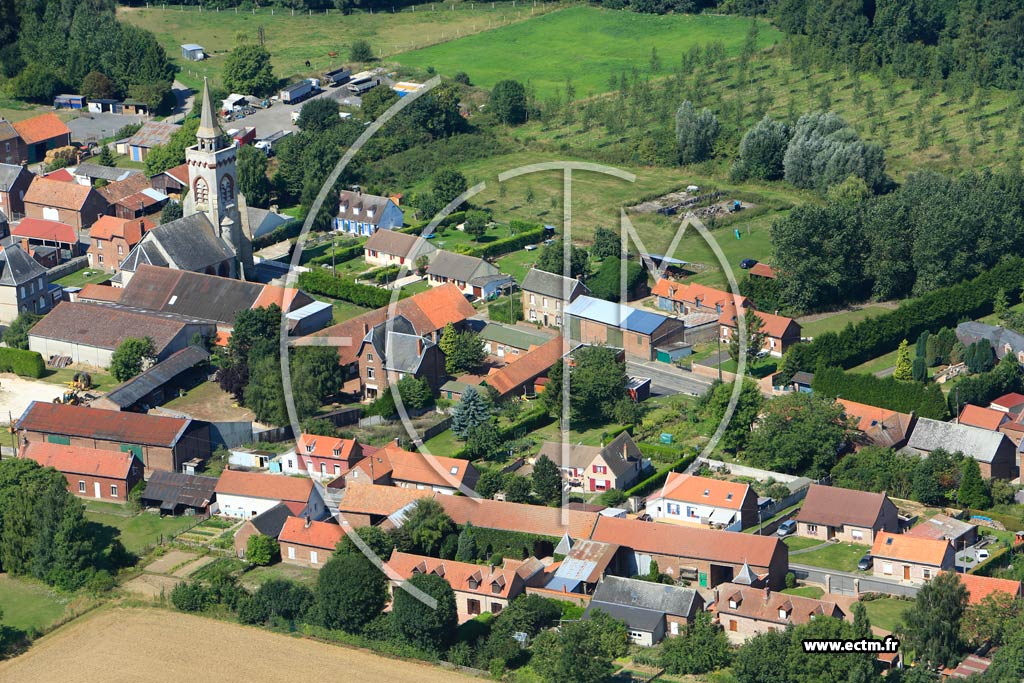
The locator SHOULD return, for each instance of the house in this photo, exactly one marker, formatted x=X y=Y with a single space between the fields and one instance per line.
x=910 y=558
x=1012 y=403
x=593 y=321
x=247 y=494
x=110 y=240
x=370 y=504
x=684 y=298
x=877 y=426
x=650 y=610
x=91 y=472
x=70 y=203
x=547 y=525
x=474 y=276
x=308 y=543
x=745 y=612
x=584 y=565
x=830 y=512
x=14 y=183
x=683 y=552
x=983 y=418
x=546 y=295
x=395 y=466
x=689 y=499
x=152 y=134
x=145 y=202
x=61 y=237
x=519 y=378
x=24 y=285
x=171 y=182
x=12 y=148
x=193 y=52
x=1003 y=340
x=780 y=332
x=326 y=457
x=175 y=493
x=40 y=134
x=478 y=588
x=506 y=343
x=364 y=214
x=979 y=587
x=762 y=270
x=90 y=333
x=157 y=384
x=392 y=350
x=160 y=443
x=393 y=248
x=87 y=174
x=597 y=468
x=268 y=523
x=995 y=453
x=941 y=527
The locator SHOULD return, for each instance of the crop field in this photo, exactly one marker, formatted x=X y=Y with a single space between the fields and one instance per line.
x=120 y=645
x=292 y=40
x=584 y=44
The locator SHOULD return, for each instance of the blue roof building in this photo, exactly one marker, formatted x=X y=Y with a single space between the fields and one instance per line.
x=638 y=332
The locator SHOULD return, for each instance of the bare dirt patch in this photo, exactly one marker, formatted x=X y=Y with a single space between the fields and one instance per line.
x=16 y=393
x=151 y=585
x=141 y=645
x=169 y=561
x=208 y=402
x=193 y=567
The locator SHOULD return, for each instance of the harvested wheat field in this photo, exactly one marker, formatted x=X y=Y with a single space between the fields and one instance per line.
x=156 y=646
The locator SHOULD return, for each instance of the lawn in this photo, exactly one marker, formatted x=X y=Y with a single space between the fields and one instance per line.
x=136 y=532
x=799 y=543
x=207 y=401
x=806 y=591
x=101 y=381
x=584 y=44
x=841 y=556
x=28 y=604
x=342 y=310
x=883 y=362
x=444 y=443
x=84 y=277
x=292 y=40
x=256 y=577
x=886 y=612
x=755 y=368
x=838 y=321
x=518 y=263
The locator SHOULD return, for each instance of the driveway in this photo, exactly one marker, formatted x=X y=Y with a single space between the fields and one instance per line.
x=668 y=379
x=95 y=127
x=843 y=582
x=279 y=116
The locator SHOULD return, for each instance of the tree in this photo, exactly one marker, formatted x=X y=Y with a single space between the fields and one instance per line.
x=811 y=667
x=130 y=356
x=754 y=325
x=704 y=647
x=319 y=426
x=696 y=133
x=973 y=492
x=252 y=176
x=904 y=365
x=989 y=620
x=801 y=433
x=581 y=651
x=466 y=550
x=106 y=157
x=920 y=370
x=607 y=283
x=247 y=69
x=762 y=151
x=463 y=351
x=932 y=624
x=191 y=597
x=606 y=243
x=518 y=489
x=490 y=482
x=261 y=550
x=552 y=260
x=824 y=150
x=473 y=410
x=763 y=658
x=316 y=372
x=475 y=224
x=96 y=86
x=598 y=383
x=361 y=51
x=376 y=539
x=350 y=592
x=1001 y=305
x=448 y=184
x=277 y=599
x=935 y=477
x=376 y=102
x=264 y=394
x=508 y=102
x=547 y=480
x=415 y=392
x=320 y=114
x=16 y=334
x=427 y=524
x=172 y=212
x=431 y=628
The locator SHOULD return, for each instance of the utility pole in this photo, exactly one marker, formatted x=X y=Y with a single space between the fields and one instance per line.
x=334 y=246
x=718 y=341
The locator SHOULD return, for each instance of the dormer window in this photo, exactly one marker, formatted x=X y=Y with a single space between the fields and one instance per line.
x=311 y=446
x=783 y=614
x=707 y=492
x=473 y=584
x=337 y=452
x=728 y=496
x=733 y=604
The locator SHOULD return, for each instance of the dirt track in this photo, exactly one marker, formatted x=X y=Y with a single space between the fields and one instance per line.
x=156 y=646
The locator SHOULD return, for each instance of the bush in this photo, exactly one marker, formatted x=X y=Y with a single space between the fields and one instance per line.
x=325 y=284
x=654 y=482
x=191 y=597
x=502 y=311
x=261 y=550
x=23 y=363
x=507 y=245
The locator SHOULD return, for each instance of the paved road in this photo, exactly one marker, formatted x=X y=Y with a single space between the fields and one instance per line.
x=666 y=379
x=843 y=582
x=95 y=127
x=279 y=116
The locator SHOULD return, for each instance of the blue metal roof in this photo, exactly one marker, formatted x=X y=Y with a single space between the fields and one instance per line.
x=616 y=315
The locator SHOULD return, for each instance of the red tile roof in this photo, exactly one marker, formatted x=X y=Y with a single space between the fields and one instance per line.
x=763 y=270
x=774 y=325
x=1009 y=401
x=693 y=489
x=50 y=192
x=268 y=486
x=530 y=365
x=41 y=128
x=978 y=587
x=273 y=294
x=62 y=175
x=419 y=468
x=530 y=519
x=324 y=535
x=464 y=577
x=371 y=499
x=867 y=416
x=106 y=425
x=986 y=418
x=80 y=460
x=779 y=608
x=54 y=231
x=910 y=548
x=328 y=447
x=94 y=292
x=692 y=291
x=179 y=173
x=129 y=229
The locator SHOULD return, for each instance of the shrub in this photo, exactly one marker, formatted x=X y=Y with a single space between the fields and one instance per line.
x=503 y=311
x=261 y=550
x=23 y=363
x=325 y=284
x=191 y=597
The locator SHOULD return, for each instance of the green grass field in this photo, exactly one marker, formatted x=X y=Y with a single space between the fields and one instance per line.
x=584 y=44
x=799 y=542
x=835 y=323
x=28 y=604
x=886 y=613
x=136 y=532
x=84 y=277
x=806 y=591
x=101 y=381
x=841 y=556
x=883 y=362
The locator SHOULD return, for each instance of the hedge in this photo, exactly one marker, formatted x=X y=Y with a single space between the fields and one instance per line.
x=530 y=421
x=507 y=245
x=881 y=334
x=24 y=363
x=340 y=255
x=657 y=451
x=924 y=400
x=289 y=230
x=325 y=284
x=655 y=481
x=516 y=545
x=501 y=311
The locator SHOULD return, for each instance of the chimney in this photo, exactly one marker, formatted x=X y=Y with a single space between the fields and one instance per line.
x=366 y=329
x=308 y=521
x=398 y=442
x=419 y=346
x=24 y=245
x=274 y=208
x=767 y=594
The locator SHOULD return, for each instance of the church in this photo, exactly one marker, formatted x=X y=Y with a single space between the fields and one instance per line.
x=213 y=236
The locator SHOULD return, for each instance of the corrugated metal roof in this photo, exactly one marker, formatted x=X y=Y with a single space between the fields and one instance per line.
x=171 y=489
x=615 y=315
x=128 y=393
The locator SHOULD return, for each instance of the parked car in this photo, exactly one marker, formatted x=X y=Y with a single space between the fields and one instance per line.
x=763 y=353
x=865 y=563
x=983 y=555
x=530 y=247
x=748 y=263
x=787 y=528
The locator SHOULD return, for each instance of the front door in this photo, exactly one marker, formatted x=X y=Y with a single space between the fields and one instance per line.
x=545 y=319
x=906 y=572
x=96 y=489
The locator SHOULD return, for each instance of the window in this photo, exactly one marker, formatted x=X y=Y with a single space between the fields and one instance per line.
x=81 y=486
x=291 y=553
x=887 y=568
x=600 y=485
x=120 y=250
x=639 y=339
x=812 y=529
x=533 y=300
x=783 y=614
x=545 y=302
x=227 y=190
x=99 y=245
x=732 y=624
x=600 y=469
x=290 y=465
x=201 y=191
x=337 y=470
x=100 y=259
x=369 y=357
x=673 y=508
x=927 y=574
x=691 y=511
x=113 y=490
x=857 y=534
x=495 y=607
x=733 y=604
x=369 y=373
x=314 y=557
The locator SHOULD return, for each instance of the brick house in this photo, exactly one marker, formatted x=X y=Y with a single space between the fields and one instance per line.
x=392 y=350
x=639 y=333
x=308 y=543
x=91 y=472
x=14 y=183
x=324 y=457
x=845 y=514
x=393 y=248
x=911 y=559
x=546 y=295
x=994 y=452
x=12 y=149
x=780 y=332
x=684 y=298
x=160 y=443
x=689 y=499
x=111 y=238
x=247 y=494
x=705 y=556
x=40 y=134
x=616 y=465
x=395 y=466
x=877 y=426
x=70 y=203
x=267 y=523
x=518 y=378
x=745 y=612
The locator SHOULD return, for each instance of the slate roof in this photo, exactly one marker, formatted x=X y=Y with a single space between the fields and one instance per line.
x=7 y=131
x=189 y=243
x=196 y=295
x=980 y=444
x=17 y=267
x=405 y=352
x=41 y=128
x=171 y=489
x=109 y=173
x=635 y=618
x=665 y=599
x=105 y=326
x=515 y=337
x=153 y=133
x=834 y=506
x=129 y=393
x=552 y=285
x=8 y=172
x=999 y=337
x=270 y=522
x=80 y=460
x=107 y=425
x=361 y=207
x=460 y=267
x=399 y=244
x=616 y=315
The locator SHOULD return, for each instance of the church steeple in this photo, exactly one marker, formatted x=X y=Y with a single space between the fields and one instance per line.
x=209 y=132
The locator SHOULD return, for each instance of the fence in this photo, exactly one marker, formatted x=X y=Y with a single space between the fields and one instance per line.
x=744 y=471
x=72 y=266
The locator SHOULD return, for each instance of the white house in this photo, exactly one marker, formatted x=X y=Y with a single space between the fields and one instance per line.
x=364 y=214
x=686 y=498
x=247 y=494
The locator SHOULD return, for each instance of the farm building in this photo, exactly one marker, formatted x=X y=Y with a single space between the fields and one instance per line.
x=193 y=52
x=519 y=378
x=101 y=106
x=247 y=494
x=176 y=493
x=67 y=202
x=86 y=173
x=12 y=147
x=40 y=134
x=35 y=232
x=155 y=385
x=504 y=341
x=91 y=472
x=69 y=102
x=152 y=134
x=593 y=321
x=171 y=182
x=995 y=453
